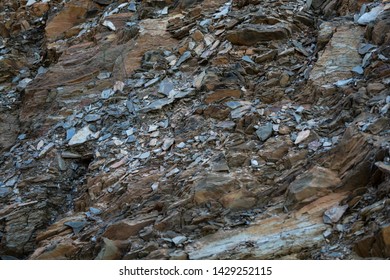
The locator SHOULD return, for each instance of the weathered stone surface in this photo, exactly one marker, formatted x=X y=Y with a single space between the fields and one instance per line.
x=19 y=225
x=380 y=32
x=74 y=13
x=40 y=8
x=8 y=130
x=385 y=236
x=238 y=200
x=82 y=136
x=221 y=95
x=264 y=132
x=353 y=159
x=377 y=245
x=150 y=129
x=252 y=34
x=213 y=187
x=58 y=228
x=9 y=66
x=109 y=251
x=340 y=56
x=325 y=34
x=270 y=238
x=379 y=125
x=314 y=183
x=275 y=149
x=374 y=88
x=125 y=229
x=236 y=159
x=63 y=251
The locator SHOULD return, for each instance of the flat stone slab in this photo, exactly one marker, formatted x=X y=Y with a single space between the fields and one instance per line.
x=269 y=237
x=340 y=56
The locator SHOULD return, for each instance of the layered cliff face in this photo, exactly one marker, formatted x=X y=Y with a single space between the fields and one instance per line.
x=207 y=129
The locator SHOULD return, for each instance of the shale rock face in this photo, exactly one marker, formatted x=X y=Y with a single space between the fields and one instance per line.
x=207 y=129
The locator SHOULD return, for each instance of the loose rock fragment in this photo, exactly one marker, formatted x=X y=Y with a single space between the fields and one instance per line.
x=109 y=24
x=334 y=214
x=264 y=132
x=302 y=136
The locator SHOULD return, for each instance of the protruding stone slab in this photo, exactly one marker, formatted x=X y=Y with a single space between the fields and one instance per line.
x=270 y=237
x=316 y=182
x=340 y=56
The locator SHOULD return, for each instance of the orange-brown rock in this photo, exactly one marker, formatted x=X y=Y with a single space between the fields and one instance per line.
x=268 y=237
x=72 y=14
x=238 y=200
x=275 y=148
x=314 y=183
x=8 y=130
x=109 y=251
x=336 y=62
x=251 y=34
x=213 y=187
x=39 y=8
x=222 y=94
x=125 y=229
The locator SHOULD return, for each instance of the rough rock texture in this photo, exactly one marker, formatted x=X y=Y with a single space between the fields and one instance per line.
x=339 y=57
x=194 y=129
x=251 y=34
x=271 y=237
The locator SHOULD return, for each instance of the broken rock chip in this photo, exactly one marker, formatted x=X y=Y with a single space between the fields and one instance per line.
x=166 y=86
x=370 y=16
x=158 y=104
x=76 y=226
x=219 y=163
x=82 y=136
x=187 y=55
x=23 y=83
x=172 y=172
x=110 y=25
x=30 y=2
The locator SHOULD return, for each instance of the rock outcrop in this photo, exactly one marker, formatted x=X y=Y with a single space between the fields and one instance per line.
x=209 y=129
